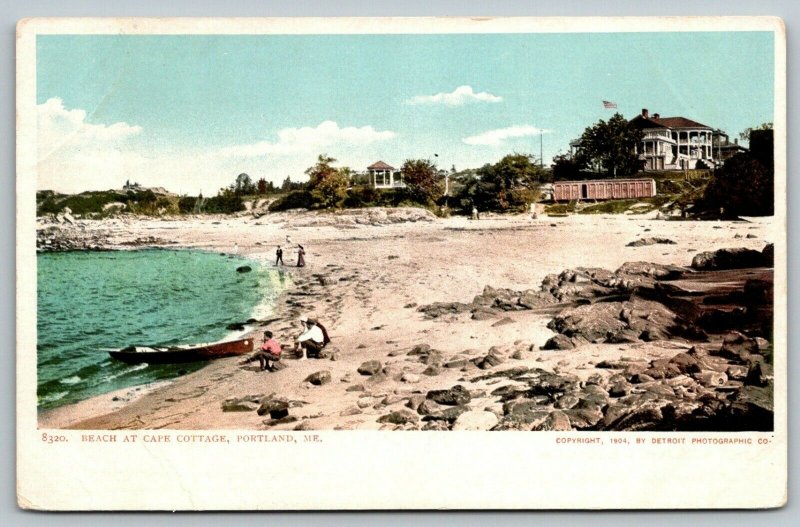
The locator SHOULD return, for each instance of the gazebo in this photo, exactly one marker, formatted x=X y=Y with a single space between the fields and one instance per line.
x=382 y=175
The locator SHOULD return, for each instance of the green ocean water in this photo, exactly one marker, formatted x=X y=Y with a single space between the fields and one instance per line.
x=88 y=301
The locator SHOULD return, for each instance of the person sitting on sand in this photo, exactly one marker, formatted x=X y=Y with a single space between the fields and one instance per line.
x=313 y=339
x=270 y=352
x=301 y=256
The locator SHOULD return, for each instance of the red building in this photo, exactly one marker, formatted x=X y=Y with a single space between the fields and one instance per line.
x=598 y=189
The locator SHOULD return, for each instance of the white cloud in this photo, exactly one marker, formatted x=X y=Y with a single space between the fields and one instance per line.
x=294 y=141
x=62 y=129
x=499 y=136
x=74 y=156
x=458 y=97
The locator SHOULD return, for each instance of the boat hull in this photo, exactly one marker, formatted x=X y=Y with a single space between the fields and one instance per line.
x=176 y=355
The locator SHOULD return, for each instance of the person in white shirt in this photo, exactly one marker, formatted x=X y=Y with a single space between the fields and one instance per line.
x=311 y=342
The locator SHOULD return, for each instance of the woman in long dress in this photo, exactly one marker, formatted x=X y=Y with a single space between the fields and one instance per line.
x=301 y=253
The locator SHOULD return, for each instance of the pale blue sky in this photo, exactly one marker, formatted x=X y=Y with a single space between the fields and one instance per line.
x=191 y=112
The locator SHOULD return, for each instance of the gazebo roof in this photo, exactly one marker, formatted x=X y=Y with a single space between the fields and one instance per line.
x=380 y=165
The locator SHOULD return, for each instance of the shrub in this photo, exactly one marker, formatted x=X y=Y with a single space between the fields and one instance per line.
x=297 y=199
x=223 y=203
x=187 y=204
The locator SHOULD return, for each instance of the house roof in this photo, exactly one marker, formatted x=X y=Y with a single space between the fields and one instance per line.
x=380 y=165
x=642 y=122
x=679 y=122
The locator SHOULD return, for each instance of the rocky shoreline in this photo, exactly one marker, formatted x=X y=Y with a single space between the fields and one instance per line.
x=650 y=346
x=712 y=386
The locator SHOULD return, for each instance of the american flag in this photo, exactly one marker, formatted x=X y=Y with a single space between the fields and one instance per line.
x=609 y=104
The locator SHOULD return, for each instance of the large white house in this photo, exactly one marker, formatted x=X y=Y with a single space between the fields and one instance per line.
x=677 y=143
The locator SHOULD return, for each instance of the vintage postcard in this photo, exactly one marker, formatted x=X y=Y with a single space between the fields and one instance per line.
x=434 y=263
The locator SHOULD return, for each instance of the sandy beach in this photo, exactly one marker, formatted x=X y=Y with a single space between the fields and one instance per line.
x=367 y=274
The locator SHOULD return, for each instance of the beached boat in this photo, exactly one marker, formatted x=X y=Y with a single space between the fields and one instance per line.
x=186 y=353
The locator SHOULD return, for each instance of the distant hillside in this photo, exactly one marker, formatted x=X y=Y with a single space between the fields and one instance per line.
x=98 y=203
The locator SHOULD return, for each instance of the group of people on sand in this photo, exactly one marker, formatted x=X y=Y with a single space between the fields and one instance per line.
x=301 y=253
x=309 y=344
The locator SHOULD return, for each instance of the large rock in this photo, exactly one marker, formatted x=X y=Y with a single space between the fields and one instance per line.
x=752 y=409
x=768 y=255
x=319 y=378
x=738 y=347
x=734 y=258
x=475 y=420
x=649 y=270
x=455 y=396
x=370 y=367
x=631 y=321
x=592 y=322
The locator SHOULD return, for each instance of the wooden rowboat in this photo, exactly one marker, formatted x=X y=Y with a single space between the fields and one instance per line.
x=187 y=353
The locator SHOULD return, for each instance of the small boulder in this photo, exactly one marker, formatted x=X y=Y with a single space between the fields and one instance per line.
x=410 y=378
x=556 y=421
x=319 y=378
x=475 y=420
x=559 y=342
x=399 y=417
x=370 y=367
x=455 y=396
x=239 y=405
x=244 y=269
x=276 y=408
x=650 y=241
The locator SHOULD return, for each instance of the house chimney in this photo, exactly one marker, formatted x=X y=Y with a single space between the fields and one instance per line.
x=644 y=113
x=656 y=116
x=736 y=140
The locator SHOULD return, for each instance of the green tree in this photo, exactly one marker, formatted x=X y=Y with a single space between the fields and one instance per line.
x=567 y=168
x=612 y=147
x=422 y=185
x=510 y=184
x=327 y=184
x=745 y=184
x=243 y=185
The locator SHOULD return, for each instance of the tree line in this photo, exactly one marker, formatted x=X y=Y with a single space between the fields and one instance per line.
x=743 y=185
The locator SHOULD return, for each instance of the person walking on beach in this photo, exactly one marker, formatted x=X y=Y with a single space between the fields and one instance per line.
x=270 y=352
x=313 y=339
x=301 y=253
x=279 y=256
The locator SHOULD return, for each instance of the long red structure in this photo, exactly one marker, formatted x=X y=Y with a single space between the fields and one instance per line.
x=598 y=189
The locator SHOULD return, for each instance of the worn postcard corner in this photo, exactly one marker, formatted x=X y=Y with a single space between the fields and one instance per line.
x=259 y=253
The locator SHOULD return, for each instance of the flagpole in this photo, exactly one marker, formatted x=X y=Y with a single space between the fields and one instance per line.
x=541 y=149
